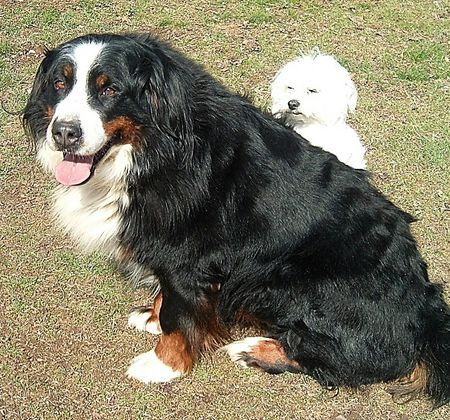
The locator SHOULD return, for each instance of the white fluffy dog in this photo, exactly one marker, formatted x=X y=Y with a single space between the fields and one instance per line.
x=313 y=94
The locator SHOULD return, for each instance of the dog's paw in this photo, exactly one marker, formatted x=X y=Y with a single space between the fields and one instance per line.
x=148 y=368
x=239 y=351
x=143 y=319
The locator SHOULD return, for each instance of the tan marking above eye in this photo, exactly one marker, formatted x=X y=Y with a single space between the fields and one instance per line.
x=68 y=71
x=101 y=80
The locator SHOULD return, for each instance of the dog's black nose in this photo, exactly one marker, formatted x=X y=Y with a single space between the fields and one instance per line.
x=293 y=104
x=66 y=133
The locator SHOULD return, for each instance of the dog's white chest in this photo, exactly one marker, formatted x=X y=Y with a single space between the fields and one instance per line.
x=91 y=215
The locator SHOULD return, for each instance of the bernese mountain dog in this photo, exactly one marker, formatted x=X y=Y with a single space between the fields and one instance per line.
x=226 y=216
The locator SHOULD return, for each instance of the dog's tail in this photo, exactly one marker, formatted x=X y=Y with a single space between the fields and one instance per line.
x=436 y=356
x=432 y=372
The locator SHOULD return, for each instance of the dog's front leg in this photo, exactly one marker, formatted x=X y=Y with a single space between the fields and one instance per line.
x=189 y=326
x=171 y=358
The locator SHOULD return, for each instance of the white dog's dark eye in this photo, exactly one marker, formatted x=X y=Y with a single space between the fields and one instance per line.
x=290 y=87
x=312 y=90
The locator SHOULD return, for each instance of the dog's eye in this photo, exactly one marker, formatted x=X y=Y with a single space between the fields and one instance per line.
x=59 y=84
x=290 y=88
x=312 y=90
x=108 y=91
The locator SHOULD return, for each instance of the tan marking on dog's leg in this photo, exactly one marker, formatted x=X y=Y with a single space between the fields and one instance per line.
x=261 y=352
x=170 y=359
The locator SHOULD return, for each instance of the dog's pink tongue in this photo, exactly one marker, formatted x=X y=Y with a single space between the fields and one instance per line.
x=74 y=170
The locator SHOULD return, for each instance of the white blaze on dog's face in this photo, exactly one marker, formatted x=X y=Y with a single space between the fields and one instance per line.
x=75 y=107
x=75 y=133
x=313 y=88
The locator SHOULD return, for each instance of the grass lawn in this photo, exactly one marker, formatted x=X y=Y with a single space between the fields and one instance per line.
x=64 y=344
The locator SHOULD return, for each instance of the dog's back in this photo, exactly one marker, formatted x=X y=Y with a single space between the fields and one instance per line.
x=335 y=275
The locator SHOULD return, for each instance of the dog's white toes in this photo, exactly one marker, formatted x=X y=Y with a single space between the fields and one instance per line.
x=148 y=368
x=153 y=327
x=140 y=320
x=237 y=349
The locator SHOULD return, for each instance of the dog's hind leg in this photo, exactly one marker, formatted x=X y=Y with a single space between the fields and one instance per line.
x=146 y=318
x=263 y=353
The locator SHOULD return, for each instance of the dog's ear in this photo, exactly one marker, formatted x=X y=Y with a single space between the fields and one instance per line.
x=33 y=122
x=40 y=80
x=167 y=92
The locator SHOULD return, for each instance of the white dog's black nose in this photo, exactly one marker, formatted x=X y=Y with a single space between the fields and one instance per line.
x=293 y=104
x=66 y=134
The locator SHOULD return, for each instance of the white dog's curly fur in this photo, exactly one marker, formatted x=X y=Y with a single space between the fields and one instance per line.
x=314 y=94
